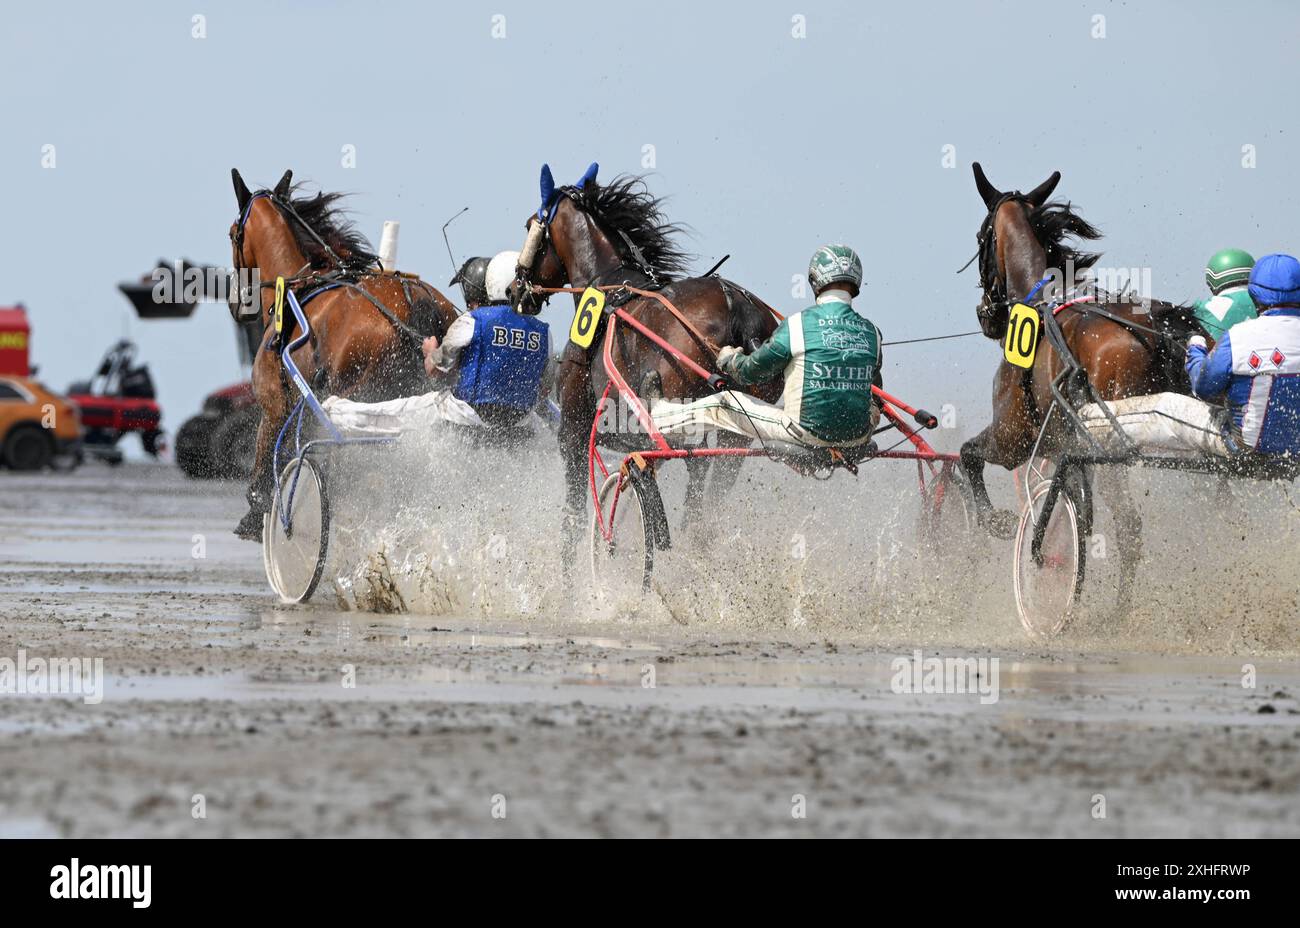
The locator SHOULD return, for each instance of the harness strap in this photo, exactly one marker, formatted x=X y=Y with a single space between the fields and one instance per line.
x=677 y=313
x=651 y=294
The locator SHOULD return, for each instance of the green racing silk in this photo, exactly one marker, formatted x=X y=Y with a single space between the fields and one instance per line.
x=830 y=357
x=1217 y=314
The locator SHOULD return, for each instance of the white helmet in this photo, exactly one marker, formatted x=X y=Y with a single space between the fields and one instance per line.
x=500 y=272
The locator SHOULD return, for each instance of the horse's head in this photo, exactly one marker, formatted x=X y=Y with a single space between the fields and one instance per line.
x=280 y=233
x=259 y=240
x=557 y=238
x=1011 y=257
x=589 y=232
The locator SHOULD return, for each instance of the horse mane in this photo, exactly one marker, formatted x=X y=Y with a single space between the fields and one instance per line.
x=330 y=221
x=1058 y=227
x=626 y=205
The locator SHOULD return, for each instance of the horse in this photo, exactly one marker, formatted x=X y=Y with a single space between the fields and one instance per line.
x=1126 y=346
x=366 y=324
x=590 y=234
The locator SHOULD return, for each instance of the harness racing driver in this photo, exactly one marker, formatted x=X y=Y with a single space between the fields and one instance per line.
x=830 y=357
x=501 y=356
x=1255 y=363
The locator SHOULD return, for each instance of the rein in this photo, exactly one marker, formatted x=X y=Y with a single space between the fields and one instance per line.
x=285 y=207
x=695 y=333
x=340 y=276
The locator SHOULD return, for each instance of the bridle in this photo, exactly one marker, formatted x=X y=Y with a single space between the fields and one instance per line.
x=995 y=302
x=995 y=305
x=286 y=209
x=541 y=244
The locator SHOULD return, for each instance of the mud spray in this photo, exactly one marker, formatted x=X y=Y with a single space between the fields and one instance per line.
x=438 y=526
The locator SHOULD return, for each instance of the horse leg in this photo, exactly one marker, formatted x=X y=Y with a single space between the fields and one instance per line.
x=578 y=408
x=261 y=487
x=697 y=478
x=1115 y=489
x=975 y=453
x=725 y=472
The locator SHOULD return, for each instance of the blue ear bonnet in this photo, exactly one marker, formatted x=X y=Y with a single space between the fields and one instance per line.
x=547 y=209
x=551 y=195
x=588 y=175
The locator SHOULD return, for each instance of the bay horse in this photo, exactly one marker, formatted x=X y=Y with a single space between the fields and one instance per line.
x=366 y=324
x=591 y=234
x=1126 y=346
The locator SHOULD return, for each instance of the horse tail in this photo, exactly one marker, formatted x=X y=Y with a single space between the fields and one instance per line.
x=1176 y=323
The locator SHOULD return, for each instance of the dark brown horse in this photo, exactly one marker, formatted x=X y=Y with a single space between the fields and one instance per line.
x=1126 y=347
x=366 y=324
x=590 y=234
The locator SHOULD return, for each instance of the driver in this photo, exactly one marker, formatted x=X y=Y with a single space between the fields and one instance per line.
x=829 y=355
x=501 y=356
x=1226 y=274
x=1256 y=363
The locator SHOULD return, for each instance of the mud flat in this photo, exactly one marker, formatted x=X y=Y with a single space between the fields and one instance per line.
x=549 y=720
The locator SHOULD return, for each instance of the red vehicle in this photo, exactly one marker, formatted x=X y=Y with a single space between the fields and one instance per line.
x=15 y=334
x=221 y=440
x=117 y=401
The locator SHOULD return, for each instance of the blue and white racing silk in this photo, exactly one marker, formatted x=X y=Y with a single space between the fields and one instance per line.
x=1257 y=364
x=503 y=363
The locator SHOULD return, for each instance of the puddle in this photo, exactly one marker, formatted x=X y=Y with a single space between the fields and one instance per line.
x=1137 y=691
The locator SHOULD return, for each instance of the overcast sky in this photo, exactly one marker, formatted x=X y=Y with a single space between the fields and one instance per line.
x=768 y=144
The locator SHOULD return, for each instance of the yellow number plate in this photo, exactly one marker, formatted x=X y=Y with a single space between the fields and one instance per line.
x=1022 y=336
x=279 y=304
x=587 y=317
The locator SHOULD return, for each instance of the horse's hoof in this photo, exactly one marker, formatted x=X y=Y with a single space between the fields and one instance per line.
x=1002 y=524
x=250 y=526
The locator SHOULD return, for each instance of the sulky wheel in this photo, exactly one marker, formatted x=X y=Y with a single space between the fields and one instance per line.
x=1030 y=475
x=1047 y=583
x=949 y=527
x=296 y=532
x=633 y=512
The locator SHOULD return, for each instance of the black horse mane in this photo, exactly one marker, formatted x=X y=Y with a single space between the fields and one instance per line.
x=330 y=221
x=1057 y=227
x=626 y=205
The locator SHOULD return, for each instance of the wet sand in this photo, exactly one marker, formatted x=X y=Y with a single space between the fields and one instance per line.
x=504 y=721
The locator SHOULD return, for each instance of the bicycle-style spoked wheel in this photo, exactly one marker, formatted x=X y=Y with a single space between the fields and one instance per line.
x=1030 y=475
x=622 y=563
x=949 y=526
x=1047 y=587
x=294 y=553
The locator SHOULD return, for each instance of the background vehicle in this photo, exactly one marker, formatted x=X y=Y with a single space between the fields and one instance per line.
x=38 y=428
x=118 y=400
x=219 y=440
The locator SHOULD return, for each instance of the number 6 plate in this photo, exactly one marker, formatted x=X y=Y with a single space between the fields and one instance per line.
x=586 y=318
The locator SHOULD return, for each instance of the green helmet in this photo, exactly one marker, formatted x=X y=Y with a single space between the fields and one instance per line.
x=1227 y=268
x=833 y=264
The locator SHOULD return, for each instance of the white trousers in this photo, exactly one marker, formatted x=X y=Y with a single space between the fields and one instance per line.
x=743 y=414
x=1161 y=423
x=404 y=414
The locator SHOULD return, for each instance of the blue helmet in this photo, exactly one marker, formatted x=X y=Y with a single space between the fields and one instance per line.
x=1275 y=280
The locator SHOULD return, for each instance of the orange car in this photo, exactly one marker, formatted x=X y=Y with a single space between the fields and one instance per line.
x=36 y=426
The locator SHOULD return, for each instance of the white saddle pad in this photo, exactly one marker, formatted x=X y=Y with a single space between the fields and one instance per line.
x=404 y=414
